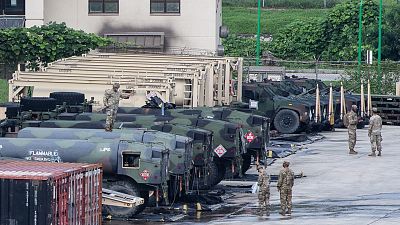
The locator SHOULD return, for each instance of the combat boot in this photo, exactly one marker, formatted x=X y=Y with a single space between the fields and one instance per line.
x=352 y=152
x=380 y=153
x=372 y=154
x=282 y=213
x=289 y=212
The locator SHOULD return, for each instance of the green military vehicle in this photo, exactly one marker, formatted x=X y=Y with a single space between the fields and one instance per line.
x=129 y=167
x=228 y=138
x=256 y=128
x=289 y=115
x=205 y=173
x=180 y=148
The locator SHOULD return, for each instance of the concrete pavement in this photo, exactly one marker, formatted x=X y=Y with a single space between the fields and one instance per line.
x=339 y=188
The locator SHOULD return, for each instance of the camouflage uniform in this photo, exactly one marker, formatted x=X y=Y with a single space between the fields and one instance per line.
x=352 y=129
x=285 y=185
x=263 y=190
x=374 y=133
x=111 y=103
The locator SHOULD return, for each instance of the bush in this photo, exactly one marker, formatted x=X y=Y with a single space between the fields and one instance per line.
x=41 y=45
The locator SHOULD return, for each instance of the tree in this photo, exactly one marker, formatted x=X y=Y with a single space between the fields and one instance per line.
x=41 y=45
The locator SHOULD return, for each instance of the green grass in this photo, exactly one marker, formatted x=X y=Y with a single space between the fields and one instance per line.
x=242 y=20
x=302 y=4
x=3 y=91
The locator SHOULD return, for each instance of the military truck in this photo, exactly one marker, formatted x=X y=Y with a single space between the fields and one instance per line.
x=180 y=148
x=205 y=173
x=129 y=167
x=256 y=128
x=289 y=115
x=228 y=137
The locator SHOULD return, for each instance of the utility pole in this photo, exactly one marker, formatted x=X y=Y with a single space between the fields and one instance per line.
x=258 y=32
x=360 y=38
x=380 y=48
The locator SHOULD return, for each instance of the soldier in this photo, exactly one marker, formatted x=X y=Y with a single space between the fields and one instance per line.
x=263 y=189
x=111 y=103
x=285 y=185
x=374 y=132
x=352 y=121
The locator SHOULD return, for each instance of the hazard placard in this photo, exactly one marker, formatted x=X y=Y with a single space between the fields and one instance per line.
x=145 y=174
x=249 y=136
x=220 y=151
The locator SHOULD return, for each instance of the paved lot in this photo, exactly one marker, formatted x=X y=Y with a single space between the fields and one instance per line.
x=338 y=188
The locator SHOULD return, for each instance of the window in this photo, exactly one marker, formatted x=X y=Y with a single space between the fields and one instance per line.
x=130 y=160
x=165 y=6
x=103 y=6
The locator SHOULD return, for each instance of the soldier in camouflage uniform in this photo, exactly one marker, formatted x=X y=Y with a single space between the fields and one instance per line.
x=374 y=132
x=352 y=128
x=111 y=103
x=285 y=185
x=263 y=189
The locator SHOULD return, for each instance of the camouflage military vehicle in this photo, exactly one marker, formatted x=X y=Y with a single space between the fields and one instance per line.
x=228 y=137
x=129 y=167
x=288 y=115
x=180 y=148
x=205 y=173
x=256 y=128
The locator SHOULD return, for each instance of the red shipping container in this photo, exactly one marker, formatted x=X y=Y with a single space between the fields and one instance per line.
x=43 y=193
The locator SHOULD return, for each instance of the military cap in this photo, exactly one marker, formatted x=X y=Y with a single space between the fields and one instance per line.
x=286 y=163
x=375 y=110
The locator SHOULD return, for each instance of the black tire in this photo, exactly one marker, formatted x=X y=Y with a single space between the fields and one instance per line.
x=70 y=98
x=246 y=162
x=217 y=177
x=287 y=121
x=38 y=104
x=125 y=187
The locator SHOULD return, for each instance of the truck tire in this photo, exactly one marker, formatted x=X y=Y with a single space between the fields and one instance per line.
x=38 y=104
x=220 y=175
x=246 y=162
x=287 y=121
x=125 y=187
x=70 y=98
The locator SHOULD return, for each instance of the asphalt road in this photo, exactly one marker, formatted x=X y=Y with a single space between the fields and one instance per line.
x=338 y=188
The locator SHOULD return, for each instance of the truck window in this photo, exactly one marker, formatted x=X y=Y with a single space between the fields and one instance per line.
x=130 y=160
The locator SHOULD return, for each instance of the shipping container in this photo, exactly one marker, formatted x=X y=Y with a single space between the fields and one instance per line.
x=43 y=193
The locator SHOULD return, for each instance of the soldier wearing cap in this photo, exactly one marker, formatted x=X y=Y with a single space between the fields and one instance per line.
x=263 y=189
x=352 y=121
x=374 y=132
x=285 y=185
x=111 y=103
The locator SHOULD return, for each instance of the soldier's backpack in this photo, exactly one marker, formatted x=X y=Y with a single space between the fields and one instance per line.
x=346 y=120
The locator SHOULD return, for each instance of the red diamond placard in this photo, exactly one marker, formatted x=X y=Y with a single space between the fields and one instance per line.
x=249 y=137
x=145 y=174
x=220 y=151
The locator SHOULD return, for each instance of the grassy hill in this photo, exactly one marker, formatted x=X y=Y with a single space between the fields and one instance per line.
x=242 y=20
x=3 y=91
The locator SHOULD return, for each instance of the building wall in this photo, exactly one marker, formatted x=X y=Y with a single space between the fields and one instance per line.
x=196 y=27
x=34 y=13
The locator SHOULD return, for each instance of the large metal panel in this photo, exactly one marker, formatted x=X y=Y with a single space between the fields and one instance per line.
x=40 y=193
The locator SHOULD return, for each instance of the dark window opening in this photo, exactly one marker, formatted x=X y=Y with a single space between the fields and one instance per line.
x=12 y=7
x=165 y=6
x=103 y=6
x=231 y=130
x=130 y=160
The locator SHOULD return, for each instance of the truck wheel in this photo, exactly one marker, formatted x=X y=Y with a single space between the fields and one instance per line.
x=70 y=98
x=38 y=104
x=287 y=121
x=219 y=175
x=246 y=162
x=125 y=187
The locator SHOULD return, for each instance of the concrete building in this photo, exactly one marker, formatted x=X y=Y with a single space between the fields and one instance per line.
x=166 y=24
